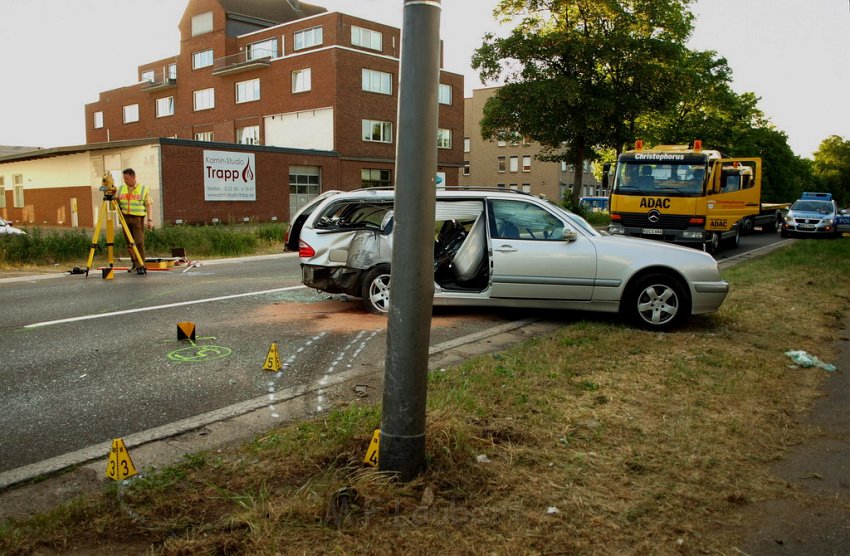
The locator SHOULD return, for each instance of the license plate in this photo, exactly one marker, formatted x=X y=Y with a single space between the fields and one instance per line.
x=653 y=231
x=806 y=226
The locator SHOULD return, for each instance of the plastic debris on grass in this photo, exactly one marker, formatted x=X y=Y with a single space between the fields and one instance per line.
x=803 y=359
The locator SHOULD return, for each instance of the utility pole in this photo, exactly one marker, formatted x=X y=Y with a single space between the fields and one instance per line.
x=402 y=445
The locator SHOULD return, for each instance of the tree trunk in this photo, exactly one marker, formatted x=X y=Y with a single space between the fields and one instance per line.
x=578 y=166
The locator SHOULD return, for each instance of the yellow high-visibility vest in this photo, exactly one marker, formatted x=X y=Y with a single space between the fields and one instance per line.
x=133 y=202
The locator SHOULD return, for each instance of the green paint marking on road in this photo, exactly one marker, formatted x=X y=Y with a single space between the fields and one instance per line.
x=196 y=354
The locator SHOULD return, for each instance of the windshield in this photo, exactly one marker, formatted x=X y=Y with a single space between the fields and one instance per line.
x=823 y=207
x=683 y=177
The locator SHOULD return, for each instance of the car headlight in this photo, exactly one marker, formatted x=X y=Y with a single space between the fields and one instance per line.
x=789 y=218
x=827 y=221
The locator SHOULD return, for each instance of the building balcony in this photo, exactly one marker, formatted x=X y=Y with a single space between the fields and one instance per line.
x=162 y=84
x=246 y=60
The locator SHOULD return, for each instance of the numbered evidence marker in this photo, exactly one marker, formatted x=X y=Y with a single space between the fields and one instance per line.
x=119 y=466
x=372 y=452
x=272 y=360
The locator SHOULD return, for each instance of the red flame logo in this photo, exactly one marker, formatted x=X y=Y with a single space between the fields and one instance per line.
x=247 y=173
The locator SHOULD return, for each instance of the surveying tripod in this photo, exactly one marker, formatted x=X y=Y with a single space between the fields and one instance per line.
x=108 y=210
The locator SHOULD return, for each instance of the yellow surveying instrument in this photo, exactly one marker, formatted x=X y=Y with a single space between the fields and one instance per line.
x=108 y=211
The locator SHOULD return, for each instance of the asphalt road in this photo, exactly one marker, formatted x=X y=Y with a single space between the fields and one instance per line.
x=86 y=360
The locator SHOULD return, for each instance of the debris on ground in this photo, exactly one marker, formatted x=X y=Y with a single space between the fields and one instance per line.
x=806 y=360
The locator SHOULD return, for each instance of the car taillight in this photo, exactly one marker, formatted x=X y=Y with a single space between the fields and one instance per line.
x=616 y=216
x=698 y=220
x=305 y=250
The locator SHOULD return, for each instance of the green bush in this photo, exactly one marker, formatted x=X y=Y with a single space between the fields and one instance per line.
x=54 y=246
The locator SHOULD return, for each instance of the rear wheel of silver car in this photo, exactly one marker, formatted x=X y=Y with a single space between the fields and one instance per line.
x=657 y=302
x=376 y=290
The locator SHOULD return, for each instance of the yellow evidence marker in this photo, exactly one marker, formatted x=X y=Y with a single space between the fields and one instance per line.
x=186 y=331
x=272 y=360
x=372 y=452
x=119 y=466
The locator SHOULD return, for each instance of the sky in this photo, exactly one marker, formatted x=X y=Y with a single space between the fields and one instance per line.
x=56 y=56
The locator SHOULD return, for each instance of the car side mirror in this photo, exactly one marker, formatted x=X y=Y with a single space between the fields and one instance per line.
x=387 y=223
x=570 y=235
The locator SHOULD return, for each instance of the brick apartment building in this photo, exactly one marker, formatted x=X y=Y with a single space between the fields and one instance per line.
x=305 y=99
x=514 y=164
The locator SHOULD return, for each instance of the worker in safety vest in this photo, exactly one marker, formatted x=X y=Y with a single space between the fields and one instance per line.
x=134 y=200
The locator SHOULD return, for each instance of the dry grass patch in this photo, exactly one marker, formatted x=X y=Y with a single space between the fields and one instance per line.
x=600 y=439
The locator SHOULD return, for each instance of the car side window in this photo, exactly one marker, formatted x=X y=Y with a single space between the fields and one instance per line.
x=522 y=220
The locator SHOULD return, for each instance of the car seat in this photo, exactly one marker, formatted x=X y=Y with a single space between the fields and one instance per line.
x=509 y=231
x=470 y=255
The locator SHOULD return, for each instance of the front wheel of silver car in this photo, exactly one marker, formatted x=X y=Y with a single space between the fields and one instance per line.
x=376 y=290
x=657 y=302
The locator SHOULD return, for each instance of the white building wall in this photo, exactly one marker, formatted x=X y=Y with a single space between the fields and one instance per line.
x=310 y=129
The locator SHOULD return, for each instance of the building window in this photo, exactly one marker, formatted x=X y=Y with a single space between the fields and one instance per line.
x=172 y=71
x=500 y=164
x=308 y=38
x=366 y=38
x=500 y=143
x=204 y=99
x=467 y=144
x=202 y=23
x=17 y=191
x=202 y=59
x=302 y=80
x=164 y=107
x=377 y=81
x=526 y=163
x=131 y=113
x=2 y=192
x=262 y=49
x=585 y=166
x=513 y=186
x=148 y=76
x=563 y=166
x=444 y=138
x=465 y=167
x=526 y=188
x=374 y=130
x=444 y=94
x=373 y=177
x=204 y=136
x=98 y=120
x=247 y=91
x=249 y=135
x=514 y=166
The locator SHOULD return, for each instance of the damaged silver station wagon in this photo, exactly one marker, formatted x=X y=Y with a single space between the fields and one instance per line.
x=507 y=249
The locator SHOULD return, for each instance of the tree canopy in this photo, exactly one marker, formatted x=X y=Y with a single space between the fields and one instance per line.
x=832 y=167
x=578 y=73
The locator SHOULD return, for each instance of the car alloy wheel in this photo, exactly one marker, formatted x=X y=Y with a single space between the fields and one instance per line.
x=376 y=290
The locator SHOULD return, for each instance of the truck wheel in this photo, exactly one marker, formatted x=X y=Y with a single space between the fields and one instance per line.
x=375 y=290
x=712 y=246
x=656 y=302
x=734 y=241
x=774 y=226
x=747 y=226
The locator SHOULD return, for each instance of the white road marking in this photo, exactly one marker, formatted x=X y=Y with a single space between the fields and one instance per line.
x=158 y=307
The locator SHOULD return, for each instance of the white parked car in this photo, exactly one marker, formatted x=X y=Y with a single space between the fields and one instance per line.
x=6 y=228
x=508 y=249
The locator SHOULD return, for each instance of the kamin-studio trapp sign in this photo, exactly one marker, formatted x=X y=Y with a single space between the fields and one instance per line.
x=229 y=176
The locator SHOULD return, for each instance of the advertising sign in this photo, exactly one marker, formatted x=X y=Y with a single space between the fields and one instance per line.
x=229 y=176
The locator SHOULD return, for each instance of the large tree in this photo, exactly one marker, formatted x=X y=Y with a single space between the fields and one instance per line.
x=578 y=73
x=832 y=167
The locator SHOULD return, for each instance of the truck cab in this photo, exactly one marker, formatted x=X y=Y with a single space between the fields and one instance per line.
x=685 y=195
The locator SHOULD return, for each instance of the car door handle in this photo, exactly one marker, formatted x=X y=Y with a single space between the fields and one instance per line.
x=505 y=249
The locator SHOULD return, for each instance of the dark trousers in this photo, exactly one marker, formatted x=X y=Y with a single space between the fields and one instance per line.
x=136 y=224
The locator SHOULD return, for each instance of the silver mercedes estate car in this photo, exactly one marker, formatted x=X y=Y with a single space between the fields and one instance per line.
x=508 y=249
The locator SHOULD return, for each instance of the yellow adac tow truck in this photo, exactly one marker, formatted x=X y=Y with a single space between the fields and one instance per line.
x=689 y=195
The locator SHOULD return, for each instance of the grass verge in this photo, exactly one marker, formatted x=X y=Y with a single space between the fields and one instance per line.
x=599 y=439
